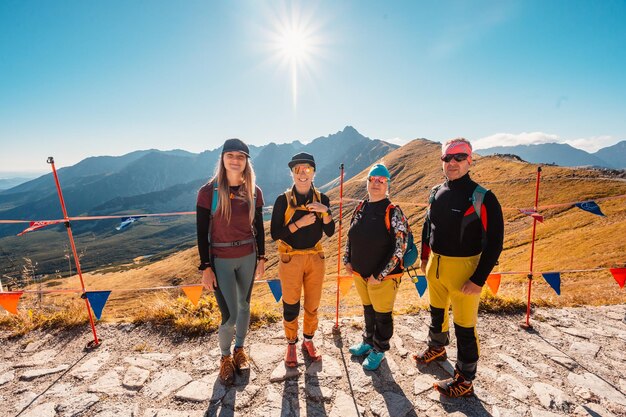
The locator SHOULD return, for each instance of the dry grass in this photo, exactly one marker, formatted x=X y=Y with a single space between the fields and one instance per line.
x=187 y=319
x=67 y=315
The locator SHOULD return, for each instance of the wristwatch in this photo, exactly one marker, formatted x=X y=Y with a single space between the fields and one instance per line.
x=261 y=258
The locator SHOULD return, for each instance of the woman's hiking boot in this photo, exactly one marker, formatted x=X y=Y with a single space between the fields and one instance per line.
x=360 y=349
x=291 y=355
x=309 y=348
x=241 y=359
x=431 y=354
x=455 y=387
x=227 y=370
x=373 y=360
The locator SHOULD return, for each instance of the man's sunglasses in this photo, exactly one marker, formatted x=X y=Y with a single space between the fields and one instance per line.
x=380 y=180
x=303 y=169
x=459 y=157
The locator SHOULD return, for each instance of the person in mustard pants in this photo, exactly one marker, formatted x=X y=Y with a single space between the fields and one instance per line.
x=462 y=239
x=299 y=218
x=377 y=239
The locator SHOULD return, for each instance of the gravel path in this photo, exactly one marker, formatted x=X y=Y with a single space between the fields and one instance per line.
x=571 y=364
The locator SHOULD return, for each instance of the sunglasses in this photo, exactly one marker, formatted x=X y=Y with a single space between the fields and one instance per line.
x=380 y=180
x=459 y=157
x=305 y=169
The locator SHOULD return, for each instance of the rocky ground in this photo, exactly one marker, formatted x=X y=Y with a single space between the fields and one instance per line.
x=572 y=364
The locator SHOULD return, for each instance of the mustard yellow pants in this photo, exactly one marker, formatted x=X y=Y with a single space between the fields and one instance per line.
x=446 y=275
x=378 y=303
x=297 y=273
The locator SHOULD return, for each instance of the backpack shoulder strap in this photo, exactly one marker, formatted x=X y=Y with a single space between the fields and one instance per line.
x=478 y=197
x=388 y=216
x=215 y=198
x=290 y=210
x=433 y=193
x=357 y=209
x=317 y=196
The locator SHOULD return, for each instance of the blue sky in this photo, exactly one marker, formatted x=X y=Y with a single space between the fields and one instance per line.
x=81 y=78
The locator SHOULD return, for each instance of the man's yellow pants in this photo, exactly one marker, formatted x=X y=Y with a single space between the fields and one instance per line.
x=446 y=275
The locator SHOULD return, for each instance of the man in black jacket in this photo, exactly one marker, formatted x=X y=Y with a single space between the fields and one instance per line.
x=461 y=241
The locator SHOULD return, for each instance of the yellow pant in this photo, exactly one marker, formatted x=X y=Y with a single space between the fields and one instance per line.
x=446 y=275
x=378 y=303
x=381 y=296
x=298 y=272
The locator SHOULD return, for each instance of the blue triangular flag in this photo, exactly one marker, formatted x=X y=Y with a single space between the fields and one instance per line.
x=554 y=279
x=277 y=290
x=127 y=221
x=420 y=284
x=97 y=300
x=591 y=207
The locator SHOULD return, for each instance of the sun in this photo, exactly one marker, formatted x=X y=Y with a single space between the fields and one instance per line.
x=296 y=43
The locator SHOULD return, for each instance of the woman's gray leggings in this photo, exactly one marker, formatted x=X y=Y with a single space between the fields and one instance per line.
x=235 y=277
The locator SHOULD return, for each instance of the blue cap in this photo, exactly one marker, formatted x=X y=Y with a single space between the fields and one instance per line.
x=379 y=170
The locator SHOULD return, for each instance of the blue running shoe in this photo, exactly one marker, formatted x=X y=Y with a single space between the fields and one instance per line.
x=360 y=349
x=373 y=360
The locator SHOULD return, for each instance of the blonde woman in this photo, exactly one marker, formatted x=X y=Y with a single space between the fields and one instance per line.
x=231 y=243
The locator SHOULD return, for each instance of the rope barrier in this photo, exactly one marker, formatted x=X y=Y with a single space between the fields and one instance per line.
x=172 y=287
x=333 y=202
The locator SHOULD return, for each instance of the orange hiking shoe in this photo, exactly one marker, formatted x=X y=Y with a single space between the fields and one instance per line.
x=227 y=370
x=431 y=354
x=241 y=359
x=309 y=348
x=455 y=387
x=291 y=356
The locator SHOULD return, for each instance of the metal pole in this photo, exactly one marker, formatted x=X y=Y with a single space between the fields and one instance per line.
x=339 y=244
x=68 y=226
x=526 y=324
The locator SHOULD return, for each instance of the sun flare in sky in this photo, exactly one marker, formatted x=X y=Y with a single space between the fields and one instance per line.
x=296 y=43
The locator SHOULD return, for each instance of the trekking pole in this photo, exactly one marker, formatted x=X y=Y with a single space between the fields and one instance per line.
x=526 y=325
x=339 y=244
x=95 y=342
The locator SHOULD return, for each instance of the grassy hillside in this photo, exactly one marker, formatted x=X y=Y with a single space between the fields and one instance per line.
x=568 y=239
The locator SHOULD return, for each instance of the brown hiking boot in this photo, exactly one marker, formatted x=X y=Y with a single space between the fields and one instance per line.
x=241 y=359
x=309 y=348
x=431 y=354
x=291 y=356
x=227 y=370
x=455 y=387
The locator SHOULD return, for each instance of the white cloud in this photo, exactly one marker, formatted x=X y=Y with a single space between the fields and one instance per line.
x=514 y=139
x=590 y=144
x=593 y=144
x=397 y=141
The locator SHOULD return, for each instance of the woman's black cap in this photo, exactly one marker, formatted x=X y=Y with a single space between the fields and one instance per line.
x=236 y=145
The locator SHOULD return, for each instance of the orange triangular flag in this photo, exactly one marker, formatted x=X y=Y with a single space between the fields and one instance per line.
x=345 y=283
x=620 y=276
x=9 y=301
x=193 y=292
x=493 y=281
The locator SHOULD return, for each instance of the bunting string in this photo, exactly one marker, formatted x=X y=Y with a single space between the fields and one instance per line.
x=333 y=202
x=98 y=298
x=173 y=287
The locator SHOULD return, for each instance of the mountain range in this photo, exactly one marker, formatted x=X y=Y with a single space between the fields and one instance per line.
x=613 y=157
x=152 y=181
